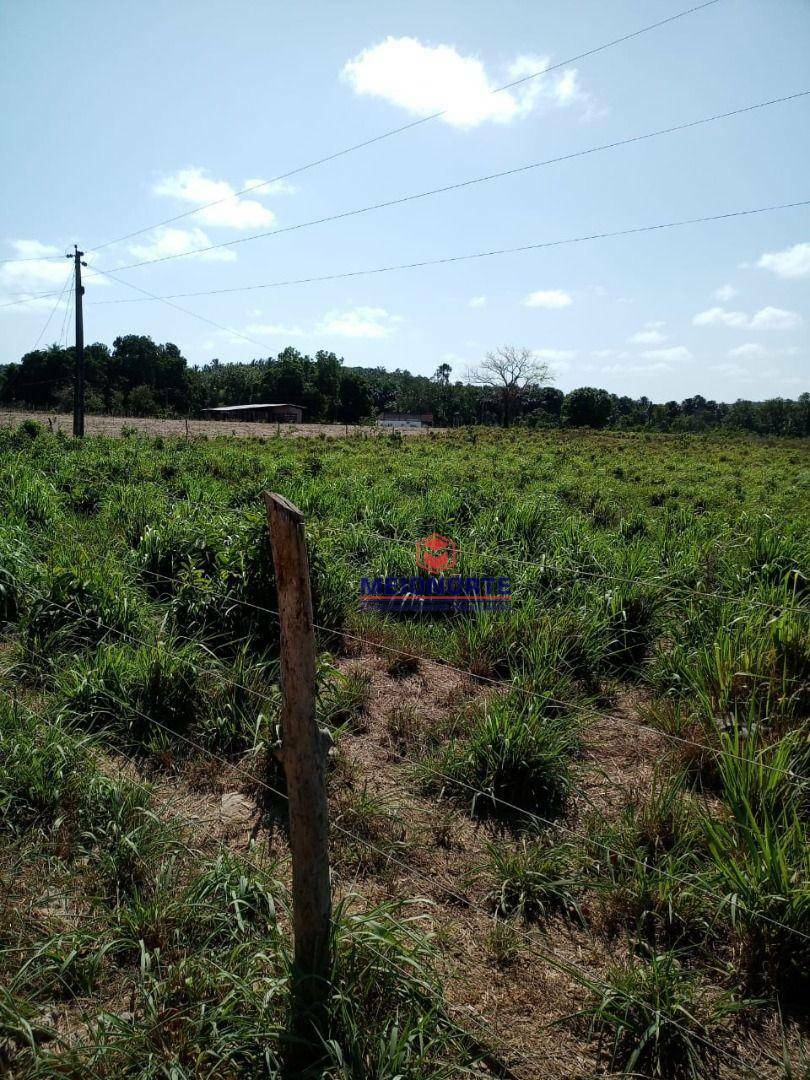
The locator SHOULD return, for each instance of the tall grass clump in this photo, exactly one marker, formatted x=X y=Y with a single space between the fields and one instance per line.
x=512 y=757
x=138 y=689
x=19 y=572
x=532 y=879
x=760 y=863
x=51 y=784
x=386 y=1018
x=643 y=864
x=654 y=1019
x=387 y=1014
x=78 y=607
x=145 y=694
x=44 y=768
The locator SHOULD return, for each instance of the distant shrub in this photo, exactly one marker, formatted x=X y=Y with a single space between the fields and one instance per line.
x=29 y=428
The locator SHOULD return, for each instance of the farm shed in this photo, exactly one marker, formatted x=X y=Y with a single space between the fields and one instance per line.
x=283 y=413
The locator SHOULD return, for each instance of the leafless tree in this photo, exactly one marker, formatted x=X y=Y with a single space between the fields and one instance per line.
x=509 y=370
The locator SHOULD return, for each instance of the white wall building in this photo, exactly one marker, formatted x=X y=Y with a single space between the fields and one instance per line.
x=404 y=420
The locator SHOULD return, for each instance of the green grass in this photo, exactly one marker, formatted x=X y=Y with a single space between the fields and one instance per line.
x=533 y=879
x=668 y=570
x=654 y=1019
x=512 y=758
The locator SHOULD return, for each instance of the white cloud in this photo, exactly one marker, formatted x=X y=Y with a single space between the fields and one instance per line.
x=477 y=302
x=548 y=298
x=357 y=322
x=39 y=274
x=749 y=351
x=725 y=293
x=767 y=318
x=718 y=316
x=193 y=186
x=426 y=79
x=558 y=360
x=731 y=370
x=773 y=318
x=275 y=330
x=674 y=354
x=636 y=369
x=34 y=249
x=608 y=354
x=793 y=262
x=555 y=355
x=647 y=337
x=169 y=241
x=272 y=187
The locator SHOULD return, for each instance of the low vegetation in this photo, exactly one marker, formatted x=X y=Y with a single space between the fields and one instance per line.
x=613 y=808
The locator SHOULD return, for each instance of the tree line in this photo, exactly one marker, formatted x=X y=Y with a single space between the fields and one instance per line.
x=139 y=377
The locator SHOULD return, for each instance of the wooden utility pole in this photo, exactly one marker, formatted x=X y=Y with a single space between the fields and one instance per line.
x=303 y=754
x=78 y=380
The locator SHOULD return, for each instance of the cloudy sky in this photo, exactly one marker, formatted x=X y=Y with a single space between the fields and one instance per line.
x=126 y=116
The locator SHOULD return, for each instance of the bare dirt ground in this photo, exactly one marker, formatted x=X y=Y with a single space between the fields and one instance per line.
x=114 y=425
x=515 y=993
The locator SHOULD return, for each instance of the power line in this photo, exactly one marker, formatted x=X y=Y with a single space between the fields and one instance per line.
x=453 y=258
x=409 y=266
x=52 y=312
x=193 y=314
x=405 y=127
x=63 y=332
x=26 y=298
x=31 y=258
x=465 y=183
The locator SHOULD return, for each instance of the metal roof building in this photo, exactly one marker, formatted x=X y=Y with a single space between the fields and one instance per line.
x=271 y=412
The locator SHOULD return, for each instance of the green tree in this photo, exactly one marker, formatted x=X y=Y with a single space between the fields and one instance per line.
x=587 y=407
x=355 y=398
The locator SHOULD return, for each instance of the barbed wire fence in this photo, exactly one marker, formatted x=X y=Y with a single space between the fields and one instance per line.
x=434 y=883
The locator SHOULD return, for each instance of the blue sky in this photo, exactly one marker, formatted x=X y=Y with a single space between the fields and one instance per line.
x=124 y=115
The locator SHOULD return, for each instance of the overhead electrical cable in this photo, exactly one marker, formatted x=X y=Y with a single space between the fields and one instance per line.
x=446 y=259
x=405 y=127
x=470 y=182
x=53 y=311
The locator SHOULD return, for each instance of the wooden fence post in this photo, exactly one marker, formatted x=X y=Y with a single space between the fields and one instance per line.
x=303 y=754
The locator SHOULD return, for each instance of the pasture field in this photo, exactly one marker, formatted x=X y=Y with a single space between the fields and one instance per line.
x=569 y=839
x=147 y=425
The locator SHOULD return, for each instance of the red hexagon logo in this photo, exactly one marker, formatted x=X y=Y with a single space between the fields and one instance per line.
x=436 y=553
